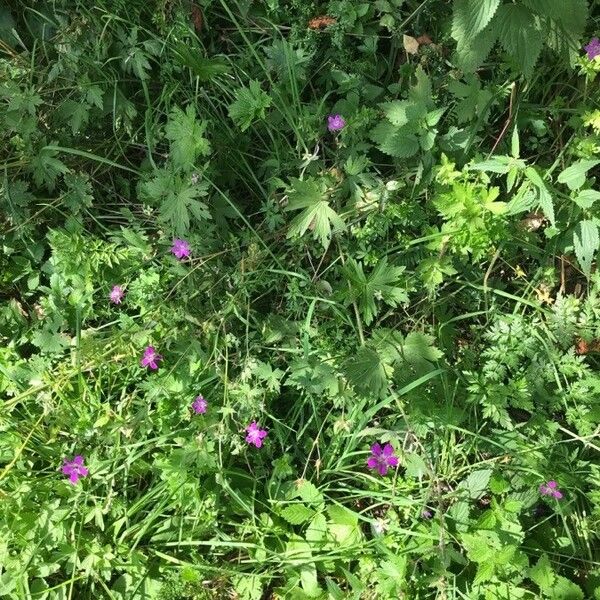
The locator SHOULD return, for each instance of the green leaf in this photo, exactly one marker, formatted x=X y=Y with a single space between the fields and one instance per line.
x=586 y=242
x=471 y=53
x=421 y=93
x=565 y=589
x=203 y=68
x=176 y=197
x=317 y=529
x=575 y=175
x=586 y=198
x=399 y=142
x=544 y=198
x=310 y=194
x=46 y=168
x=186 y=135
x=415 y=466
x=250 y=105
x=470 y=17
x=366 y=372
x=382 y=284
x=476 y=483
x=296 y=514
x=341 y=515
x=542 y=574
x=309 y=492
x=520 y=35
x=401 y=112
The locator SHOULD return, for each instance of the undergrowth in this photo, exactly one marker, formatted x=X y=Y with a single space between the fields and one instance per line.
x=299 y=300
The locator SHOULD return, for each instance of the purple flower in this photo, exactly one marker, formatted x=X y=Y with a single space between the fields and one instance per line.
x=426 y=514
x=74 y=469
x=382 y=458
x=593 y=48
x=150 y=358
x=116 y=294
x=199 y=405
x=255 y=434
x=335 y=122
x=550 y=488
x=181 y=249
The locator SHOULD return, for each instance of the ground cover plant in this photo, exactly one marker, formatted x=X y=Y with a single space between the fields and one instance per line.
x=299 y=299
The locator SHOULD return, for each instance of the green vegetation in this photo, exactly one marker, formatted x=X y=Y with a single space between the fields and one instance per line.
x=299 y=300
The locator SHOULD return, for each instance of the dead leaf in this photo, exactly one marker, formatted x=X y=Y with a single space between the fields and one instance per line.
x=321 y=22
x=424 y=40
x=197 y=18
x=410 y=44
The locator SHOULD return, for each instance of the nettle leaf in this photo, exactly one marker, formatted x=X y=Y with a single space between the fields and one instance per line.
x=395 y=141
x=250 y=105
x=574 y=176
x=542 y=574
x=476 y=483
x=186 y=135
x=471 y=53
x=564 y=24
x=544 y=197
x=310 y=195
x=380 y=285
x=520 y=35
x=470 y=17
x=586 y=243
x=176 y=198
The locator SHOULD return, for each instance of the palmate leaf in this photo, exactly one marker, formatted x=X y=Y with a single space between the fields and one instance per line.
x=186 y=135
x=367 y=372
x=381 y=284
x=176 y=198
x=310 y=195
x=250 y=105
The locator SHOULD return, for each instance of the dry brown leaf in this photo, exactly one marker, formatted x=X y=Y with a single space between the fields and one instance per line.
x=410 y=44
x=424 y=40
x=197 y=18
x=321 y=22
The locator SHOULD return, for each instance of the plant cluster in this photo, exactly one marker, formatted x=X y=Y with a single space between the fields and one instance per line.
x=299 y=300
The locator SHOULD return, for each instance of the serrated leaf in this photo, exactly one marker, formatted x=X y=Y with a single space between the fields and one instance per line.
x=341 y=515
x=542 y=574
x=177 y=198
x=186 y=136
x=399 y=142
x=586 y=198
x=309 y=492
x=520 y=35
x=401 y=112
x=421 y=93
x=470 y=17
x=295 y=514
x=317 y=529
x=574 y=176
x=586 y=243
x=471 y=53
x=476 y=483
x=46 y=168
x=366 y=372
x=249 y=106
x=381 y=284
x=310 y=194
x=415 y=466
